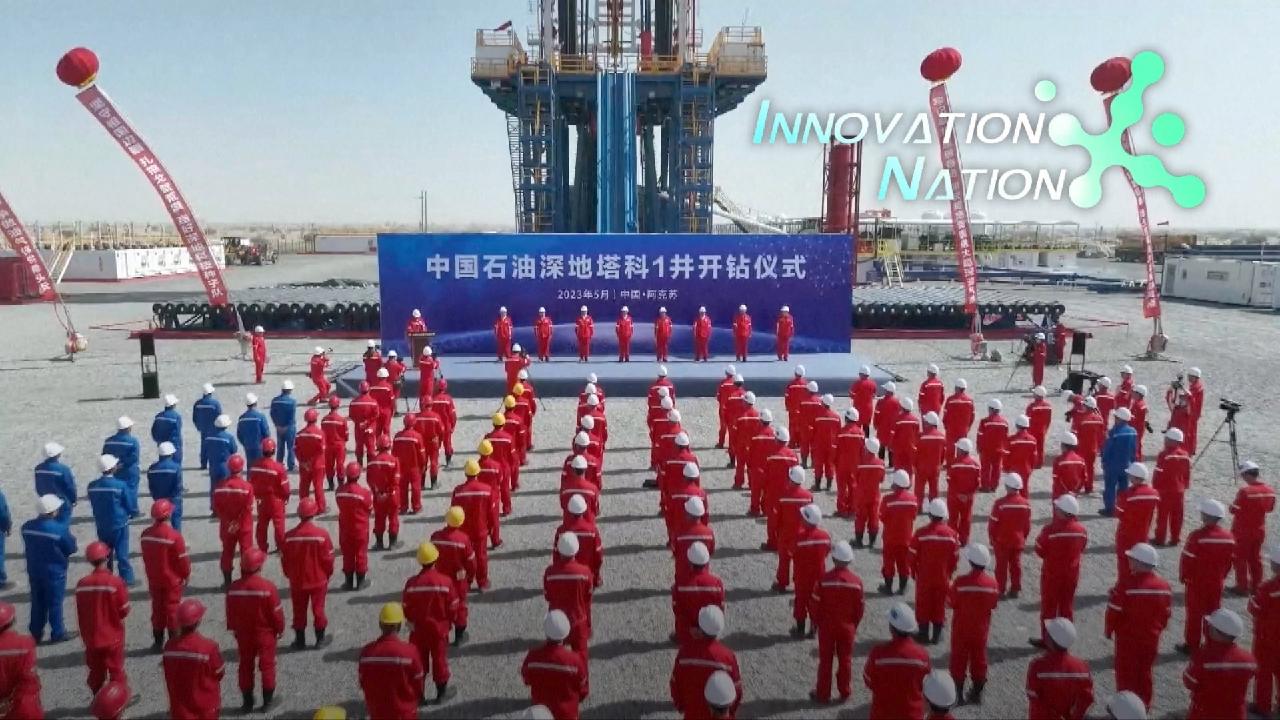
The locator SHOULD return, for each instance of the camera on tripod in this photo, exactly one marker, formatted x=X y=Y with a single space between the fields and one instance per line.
x=1231 y=407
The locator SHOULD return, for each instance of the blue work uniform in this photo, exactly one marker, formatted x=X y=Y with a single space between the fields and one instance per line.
x=251 y=430
x=6 y=525
x=164 y=482
x=203 y=413
x=127 y=450
x=54 y=478
x=48 y=545
x=1117 y=454
x=284 y=414
x=112 y=509
x=167 y=427
x=218 y=448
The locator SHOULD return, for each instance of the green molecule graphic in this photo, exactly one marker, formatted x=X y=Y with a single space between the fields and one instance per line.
x=1046 y=90
x=1106 y=151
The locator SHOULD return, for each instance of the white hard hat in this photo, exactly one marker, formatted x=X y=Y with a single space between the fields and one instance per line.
x=371 y=344
x=786 y=308
x=1104 y=381
x=962 y=384
x=1124 y=414
x=1039 y=336
x=697 y=554
x=1013 y=481
x=502 y=309
x=994 y=404
x=1022 y=421
x=167 y=448
x=811 y=514
x=730 y=371
x=258 y=329
x=1226 y=622
x=582 y=309
x=53 y=449
x=738 y=379
x=579 y=462
x=1091 y=402
x=391 y=354
x=577 y=505
x=931 y=418
x=1068 y=504
x=252 y=399
x=124 y=422
x=932 y=369
x=222 y=421
x=672 y=415
x=662 y=309
x=590 y=389
x=208 y=388
x=890 y=388
x=664 y=392
x=1126 y=705
x=416 y=313
x=1138 y=471
x=427 y=351
x=691 y=471
x=666 y=403
x=1213 y=508
x=900 y=479
x=592 y=401
x=582 y=439
x=902 y=619
x=749 y=397
x=1140 y=390
x=711 y=620
x=589 y=421
x=107 y=462
x=1062 y=631
x=964 y=445
x=851 y=415
x=864 y=370
x=940 y=689
x=556 y=624
x=288 y=384
x=871 y=445
x=682 y=439
x=48 y=504
x=1248 y=466
x=318 y=351
x=937 y=508
x=567 y=545
x=170 y=400
x=811 y=386
x=1070 y=439
x=694 y=507
x=626 y=309
x=782 y=434
x=842 y=552
x=828 y=400
x=1194 y=372
x=799 y=371
x=542 y=309
x=766 y=416
x=522 y=375
x=1144 y=553
x=662 y=371
x=515 y=348
x=796 y=475
x=907 y=404
x=592 y=378
x=383 y=372
x=1039 y=391
x=1126 y=370
x=742 y=308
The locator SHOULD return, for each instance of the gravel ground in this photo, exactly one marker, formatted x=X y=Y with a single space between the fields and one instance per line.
x=76 y=404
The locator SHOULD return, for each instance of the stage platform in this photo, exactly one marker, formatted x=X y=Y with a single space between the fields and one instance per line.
x=482 y=377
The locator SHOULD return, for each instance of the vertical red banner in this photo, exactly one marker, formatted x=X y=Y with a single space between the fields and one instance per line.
x=21 y=243
x=97 y=103
x=967 y=264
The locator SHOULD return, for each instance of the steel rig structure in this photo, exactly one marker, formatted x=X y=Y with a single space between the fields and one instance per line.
x=625 y=86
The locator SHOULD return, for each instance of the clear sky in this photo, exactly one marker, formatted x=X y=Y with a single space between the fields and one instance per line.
x=331 y=112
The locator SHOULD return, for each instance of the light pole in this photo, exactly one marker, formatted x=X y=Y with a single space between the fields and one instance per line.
x=422 y=205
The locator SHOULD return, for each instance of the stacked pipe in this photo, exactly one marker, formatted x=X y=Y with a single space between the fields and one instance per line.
x=272 y=316
x=941 y=308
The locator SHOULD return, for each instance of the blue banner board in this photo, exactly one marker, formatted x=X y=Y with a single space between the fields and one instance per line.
x=459 y=282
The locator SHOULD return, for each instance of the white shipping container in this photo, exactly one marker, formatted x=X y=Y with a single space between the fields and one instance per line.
x=1265 y=276
x=342 y=244
x=1209 y=279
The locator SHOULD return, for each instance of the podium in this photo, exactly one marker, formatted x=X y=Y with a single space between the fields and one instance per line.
x=417 y=341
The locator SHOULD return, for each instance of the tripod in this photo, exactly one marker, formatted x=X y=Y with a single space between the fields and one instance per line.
x=1228 y=422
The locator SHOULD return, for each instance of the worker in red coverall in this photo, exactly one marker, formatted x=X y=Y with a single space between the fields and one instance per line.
x=964 y=476
x=692 y=529
x=810 y=549
x=672 y=462
x=1249 y=527
x=1008 y=526
x=895 y=670
x=504 y=451
x=567 y=587
x=583 y=526
x=699 y=659
x=458 y=562
x=957 y=416
x=1138 y=418
x=741 y=333
x=887 y=410
x=395 y=375
x=584 y=328
x=866 y=511
x=307 y=561
x=355 y=505
x=270 y=482
x=1264 y=606
x=1136 y=510
x=931 y=448
x=411 y=455
x=794 y=497
x=932 y=392
x=542 y=331
x=848 y=451
x=317 y=372
x=102 y=603
x=168 y=567
x=480 y=506
x=526 y=408
x=1106 y=401
x=1069 y=474
x=427 y=368
x=336 y=433
x=745 y=425
x=310 y=446
x=193 y=667
x=556 y=675
x=810 y=407
x=448 y=414
x=837 y=607
x=255 y=618
x=1039 y=354
x=515 y=362
x=390 y=670
x=1021 y=449
x=416 y=323
x=19 y=683
x=760 y=446
x=430 y=601
x=862 y=393
x=624 y=328
x=259 y=353
x=1206 y=561
x=383 y=394
x=1171 y=478
x=575 y=479
x=1059 y=684
x=1040 y=412
x=935 y=552
x=794 y=394
x=993 y=438
x=702 y=336
x=662 y=334
x=364 y=414
x=695 y=587
x=431 y=430
x=383 y=476
x=232 y=503
x=372 y=361
x=502 y=330
x=1060 y=545
x=679 y=494
x=940 y=693
x=1219 y=673
x=973 y=598
x=1090 y=431
x=784 y=329
x=723 y=391
x=1195 y=397
x=1138 y=609
x=897 y=517
x=906 y=432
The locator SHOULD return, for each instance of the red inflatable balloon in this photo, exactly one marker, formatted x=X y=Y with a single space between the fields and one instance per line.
x=78 y=67
x=1111 y=75
x=940 y=64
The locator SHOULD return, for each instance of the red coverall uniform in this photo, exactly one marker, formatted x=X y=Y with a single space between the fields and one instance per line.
x=795 y=393
x=542 y=328
x=193 y=676
x=233 y=505
x=760 y=480
x=1171 y=478
x=430 y=605
x=573 y=484
x=1090 y=432
x=372 y=360
x=957 y=419
x=364 y=413
x=993 y=439
x=963 y=478
x=1106 y=403
x=826 y=424
x=19 y=683
x=432 y=428
x=973 y=598
x=256 y=619
x=411 y=453
x=168 y=567
x=1039 y=354
x=624 y=329
x=383 y=393
x=837 y=607
x=335 y=447
x=898 y=517
x=695 y=662
x=784 y=329
x=1138 y=609
x=590 y=545
x=741 y=335
x=862 y=393
x=702 y=338
x=1218 y=678
x=935 y=552
x=310 y=446
x=1020 y=457
x=810 y=408
x=525 y=409
x=512 y=366
x=696 y=590
x=867 y=483
x=102 y=603
x=1124 y=393
x=775 y=483
x=735 y=404
x=383 y=476
x=355 y=504
x=259 y=356
x=1136 y=510
x=458 y=562
x=481 y=524
x=502 y=336
x=557 y=679
x=1007 y=530
x=319 y=366
x=1040 y=412
x=504 y=450
x=1059 y=687
x=307 y=561
x=270 y=481
x=1249 y=528
x=1069 y=475
x=448 y=414
x=679 y=495
x=427 y=367
x=584 y=328
x=849 y=448
x=931 y=448
x=1264 y=606
x=744 y=427
x=906 y=432
x=761 y=445
x=1138 y=420
x=1203 y=569
x=395 y=371
x=810 y=551
x=895 y=673
x=566 y=586
x=1195 y=394
x=931 y=396
x=391 y=678
x=792 y=499
x=886 y=419
x=690 y=531
x=662 y=336
x=1060 y=545
x=723 y=391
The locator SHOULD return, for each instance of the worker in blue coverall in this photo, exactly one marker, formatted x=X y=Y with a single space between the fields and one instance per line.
x=167 y=426
x=164 y=482
x=48 y=546
x=55 y=478
x=284 y=414
x=126 y=449
x=1117 y=454
x=219 y=447
x=112 y=508
x=252 y=429
x=203 y=413
x=6 y=526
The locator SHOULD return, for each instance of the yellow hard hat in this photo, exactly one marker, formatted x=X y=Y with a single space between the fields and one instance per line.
x=455 y=516
x=499 y=419
x=486 y=448
x=330 y=712
x=472 y=468
x=427 y=553
x=508 y=402
x=392 y=614
x=518 y=390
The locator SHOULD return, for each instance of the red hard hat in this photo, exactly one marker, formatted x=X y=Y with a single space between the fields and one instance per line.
x=97 y=551
x=307 y=508
x=410 y=419
x=7 y=614
x=110 y=701
x=353 y=471
x=190 y=611
x=334 y=402
x=384 y=442
x=364 y=386
x=161 y=510
x=268 y=446
x=311 y=415
x=252 y=559
x=235 y=463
